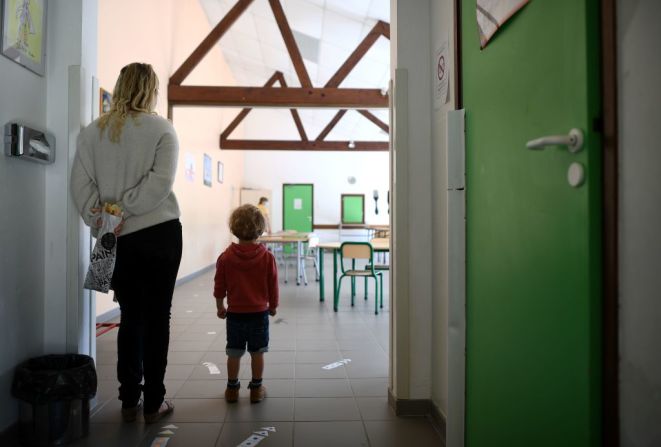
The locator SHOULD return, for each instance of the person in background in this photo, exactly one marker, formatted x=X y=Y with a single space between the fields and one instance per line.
x=264 y=208
x=129 y=157
x=246 y=273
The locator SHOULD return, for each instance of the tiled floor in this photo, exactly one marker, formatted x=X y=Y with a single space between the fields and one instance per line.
x=307 y=405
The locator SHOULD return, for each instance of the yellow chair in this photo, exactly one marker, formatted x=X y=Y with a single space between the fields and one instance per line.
x=359 y=251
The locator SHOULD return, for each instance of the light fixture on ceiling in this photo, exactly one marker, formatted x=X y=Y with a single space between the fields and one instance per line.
x=352 y=145
x=384 y=91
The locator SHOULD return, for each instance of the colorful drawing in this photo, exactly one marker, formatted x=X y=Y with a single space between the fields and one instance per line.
x=23 y=33
x=207 y=171
x=189 y=167
x=105 y=101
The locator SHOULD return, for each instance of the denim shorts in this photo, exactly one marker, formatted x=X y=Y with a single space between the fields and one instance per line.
x=251 y=329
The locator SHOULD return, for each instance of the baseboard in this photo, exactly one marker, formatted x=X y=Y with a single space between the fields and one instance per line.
x=439 y=420
x=409 y=407
x=192 y=276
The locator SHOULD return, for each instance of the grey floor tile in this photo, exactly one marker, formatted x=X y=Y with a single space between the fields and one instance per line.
x=106 y=358
x=366 y=370
x=190 y=346
x=197 y=410
x=185 y=435
x=113 y=435
x=108 y=413
x=279 y=357
x=184 y=358
x=323 y=388
x=325 y=357
x=316 y=371
x=234 y=433
x=178 y=372
x=270 y=409
x=399 y=432
x=107 y=389
x=202 y=389
x=375 y=409
x=330 y=434
x=316 y=345
x=326 y=409
x=172 y=387
x=370 y=387
x=272 y=371
x=202 y=372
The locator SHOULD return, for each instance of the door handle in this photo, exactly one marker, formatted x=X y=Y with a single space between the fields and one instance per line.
x=573 y=141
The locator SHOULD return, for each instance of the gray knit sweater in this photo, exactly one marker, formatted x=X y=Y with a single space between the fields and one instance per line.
x=137 y=173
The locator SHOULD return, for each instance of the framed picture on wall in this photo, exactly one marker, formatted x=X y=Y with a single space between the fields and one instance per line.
x=220 y=172
x=24 y=33
x=207 y=171
x=105 y=100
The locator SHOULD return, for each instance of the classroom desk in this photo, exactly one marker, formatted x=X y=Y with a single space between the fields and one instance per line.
x=290 y=238
x=378 y=245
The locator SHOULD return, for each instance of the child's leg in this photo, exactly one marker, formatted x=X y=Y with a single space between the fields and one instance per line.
x=257 y=364
x=233 y=365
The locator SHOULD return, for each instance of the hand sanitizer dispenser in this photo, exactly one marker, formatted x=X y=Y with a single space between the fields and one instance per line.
x=29 y=144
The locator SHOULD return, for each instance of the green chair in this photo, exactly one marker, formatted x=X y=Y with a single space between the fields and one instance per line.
x=359 y=251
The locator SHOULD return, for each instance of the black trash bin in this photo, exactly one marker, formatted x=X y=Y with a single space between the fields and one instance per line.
x=54 y=393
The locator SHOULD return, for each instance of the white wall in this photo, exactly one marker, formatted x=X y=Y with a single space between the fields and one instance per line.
x=173 y=31
x=22 y=227
x=442 y=30
x=33 y=227
x=328 y=171
x=639 y=97
x=412 y=317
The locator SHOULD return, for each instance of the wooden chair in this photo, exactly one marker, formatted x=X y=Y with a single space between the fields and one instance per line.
x=359 y=251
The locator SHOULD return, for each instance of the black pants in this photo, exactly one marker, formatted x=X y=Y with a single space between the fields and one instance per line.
x=143 y=281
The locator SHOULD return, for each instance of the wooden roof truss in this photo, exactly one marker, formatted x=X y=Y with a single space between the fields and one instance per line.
x=329 y=96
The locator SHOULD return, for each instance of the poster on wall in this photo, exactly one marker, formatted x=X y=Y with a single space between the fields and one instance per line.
x=492 y=14
x=105 y=100
x=189 y=167
x=221 y=172
x=441 y=75
x=24 y=33
x=207 y=175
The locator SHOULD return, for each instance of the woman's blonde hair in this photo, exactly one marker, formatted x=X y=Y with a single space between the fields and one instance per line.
x=247 y=222
x=135 y=91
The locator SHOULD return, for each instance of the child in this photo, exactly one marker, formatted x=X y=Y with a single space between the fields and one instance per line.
x=247 y=274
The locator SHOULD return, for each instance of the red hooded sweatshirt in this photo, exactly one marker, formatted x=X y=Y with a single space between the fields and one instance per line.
x=248 y=275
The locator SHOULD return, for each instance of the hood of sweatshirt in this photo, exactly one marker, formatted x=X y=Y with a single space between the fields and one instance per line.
x=245 y=256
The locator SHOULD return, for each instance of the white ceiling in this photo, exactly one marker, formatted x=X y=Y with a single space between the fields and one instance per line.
x=253 y=48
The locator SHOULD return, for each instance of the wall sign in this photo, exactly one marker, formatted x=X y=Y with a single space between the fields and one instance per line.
x=441 y=67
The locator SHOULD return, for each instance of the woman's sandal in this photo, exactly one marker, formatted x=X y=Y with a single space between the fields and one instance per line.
x=166 y=408
x=131 y=414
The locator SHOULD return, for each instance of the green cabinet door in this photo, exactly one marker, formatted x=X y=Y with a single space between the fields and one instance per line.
x=297 y=207
x=533 y=242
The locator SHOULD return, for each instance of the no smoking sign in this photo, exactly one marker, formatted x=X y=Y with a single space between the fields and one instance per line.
x=441 y=75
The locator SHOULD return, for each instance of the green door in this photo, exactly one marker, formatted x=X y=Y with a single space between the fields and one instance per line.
x=297 y=207
x=533 y=245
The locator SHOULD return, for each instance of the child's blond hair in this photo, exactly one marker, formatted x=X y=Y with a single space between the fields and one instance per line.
x=247 y=222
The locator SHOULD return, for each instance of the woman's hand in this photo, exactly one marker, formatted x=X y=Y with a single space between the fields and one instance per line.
x=222 y=312
x=99 y=222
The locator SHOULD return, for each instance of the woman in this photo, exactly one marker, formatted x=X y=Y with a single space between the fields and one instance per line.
x=129 y=157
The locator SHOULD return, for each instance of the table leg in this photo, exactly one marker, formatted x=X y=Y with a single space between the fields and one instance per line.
x=335 y=280
x=298 y=263
x=321 y=273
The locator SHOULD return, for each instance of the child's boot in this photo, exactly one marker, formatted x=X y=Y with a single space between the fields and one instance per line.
x=257 y=391
x=232 y=391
